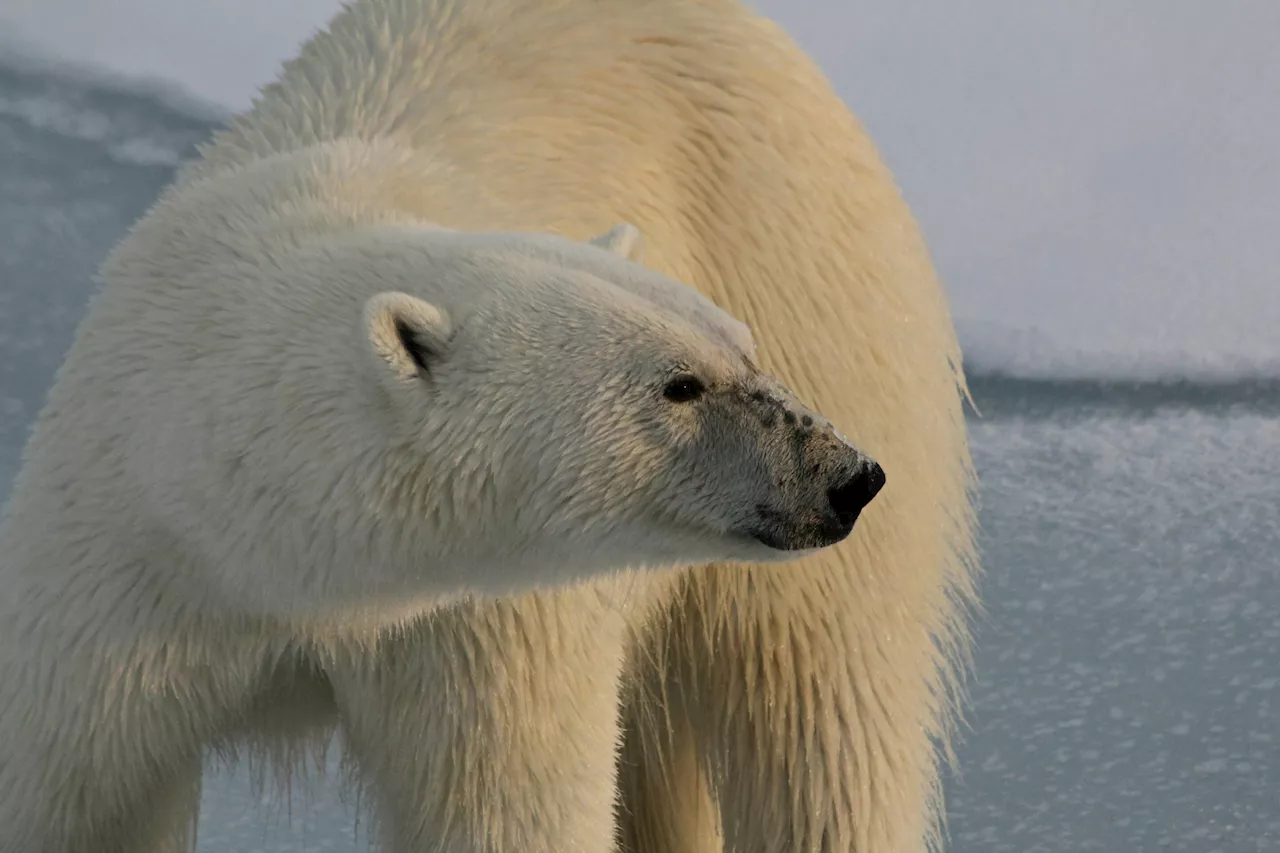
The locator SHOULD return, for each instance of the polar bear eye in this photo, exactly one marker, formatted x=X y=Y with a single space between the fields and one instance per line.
x=684 y=388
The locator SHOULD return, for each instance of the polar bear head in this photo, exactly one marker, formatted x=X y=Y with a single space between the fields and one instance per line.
x=555 y=410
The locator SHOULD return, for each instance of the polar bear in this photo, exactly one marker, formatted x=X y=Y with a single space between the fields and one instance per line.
x=761 y=708
x=297 y=420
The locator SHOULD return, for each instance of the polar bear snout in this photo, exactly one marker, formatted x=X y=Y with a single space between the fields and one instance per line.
x=825 y=509
x=851 y=495
x=820 y=482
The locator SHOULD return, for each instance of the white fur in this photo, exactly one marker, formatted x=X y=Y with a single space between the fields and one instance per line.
x=300 y=424
x=784 y=707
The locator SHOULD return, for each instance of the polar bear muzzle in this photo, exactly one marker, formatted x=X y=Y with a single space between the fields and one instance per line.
x=819 y=481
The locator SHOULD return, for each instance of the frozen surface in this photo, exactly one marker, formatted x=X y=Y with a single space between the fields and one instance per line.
x=1098 y=180
x=1127 y=690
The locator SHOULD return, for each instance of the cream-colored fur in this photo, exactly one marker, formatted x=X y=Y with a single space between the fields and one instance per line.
x=775 y=708
x=810 y=699
x=297 y=421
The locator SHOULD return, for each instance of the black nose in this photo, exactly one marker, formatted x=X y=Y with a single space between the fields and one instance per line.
x=851 y=497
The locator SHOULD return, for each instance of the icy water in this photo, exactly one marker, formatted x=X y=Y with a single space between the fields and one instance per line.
x=1126 y=693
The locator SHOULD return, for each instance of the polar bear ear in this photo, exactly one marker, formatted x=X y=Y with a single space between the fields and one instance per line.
x=623 y=239
x=406 y=333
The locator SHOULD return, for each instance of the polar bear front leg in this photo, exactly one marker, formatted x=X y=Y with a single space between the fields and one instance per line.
x=490 y=728
x=811 y=727
x=103 y=732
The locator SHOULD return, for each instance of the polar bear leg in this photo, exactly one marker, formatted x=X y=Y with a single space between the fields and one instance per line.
x=491 y=728
x=100 y=756
x=773 y=705
x=157 y=814
x=666 y=804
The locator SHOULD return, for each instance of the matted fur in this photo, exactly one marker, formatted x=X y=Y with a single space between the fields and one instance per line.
x=809 y=698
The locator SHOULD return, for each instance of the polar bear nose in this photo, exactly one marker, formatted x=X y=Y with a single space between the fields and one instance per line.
x=849 y=498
